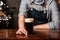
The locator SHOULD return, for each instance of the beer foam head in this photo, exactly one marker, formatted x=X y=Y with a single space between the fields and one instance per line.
x=29 y=20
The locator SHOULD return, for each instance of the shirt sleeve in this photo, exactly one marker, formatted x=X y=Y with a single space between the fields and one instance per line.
x=55 y=16
x=23 y=8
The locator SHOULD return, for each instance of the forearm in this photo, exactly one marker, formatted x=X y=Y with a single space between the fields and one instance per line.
x=21 y=29
x=55 y=15
x=43 y=26
x=21 y=20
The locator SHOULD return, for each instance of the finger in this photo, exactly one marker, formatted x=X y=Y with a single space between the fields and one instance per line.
x=18 y=32
x=24 y=32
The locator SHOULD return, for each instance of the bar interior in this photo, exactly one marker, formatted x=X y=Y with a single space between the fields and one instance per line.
x=9 y=10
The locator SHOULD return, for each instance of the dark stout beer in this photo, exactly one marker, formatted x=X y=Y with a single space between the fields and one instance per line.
x=29 y=25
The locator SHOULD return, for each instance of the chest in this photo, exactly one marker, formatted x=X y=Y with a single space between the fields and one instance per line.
x=41 y=7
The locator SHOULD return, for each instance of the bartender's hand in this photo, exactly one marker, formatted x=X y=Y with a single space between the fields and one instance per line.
x=21 y=30
x=21 y=20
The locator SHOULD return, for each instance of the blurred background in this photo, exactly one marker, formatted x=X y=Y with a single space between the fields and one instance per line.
x=9 y=13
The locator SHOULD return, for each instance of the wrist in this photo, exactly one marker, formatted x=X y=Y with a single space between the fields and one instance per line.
x=21 y=26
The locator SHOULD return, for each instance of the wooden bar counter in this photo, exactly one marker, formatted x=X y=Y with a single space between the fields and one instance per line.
x=41 y=34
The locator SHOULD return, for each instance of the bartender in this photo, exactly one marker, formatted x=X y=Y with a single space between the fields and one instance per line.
x=44 y=12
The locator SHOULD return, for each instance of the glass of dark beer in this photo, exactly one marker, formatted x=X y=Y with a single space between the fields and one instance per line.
x=29 y=25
